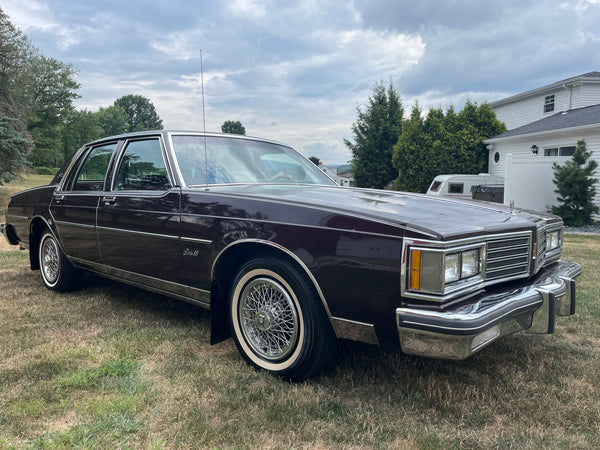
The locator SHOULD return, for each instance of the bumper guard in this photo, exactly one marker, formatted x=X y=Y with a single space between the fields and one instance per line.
x=460 y=332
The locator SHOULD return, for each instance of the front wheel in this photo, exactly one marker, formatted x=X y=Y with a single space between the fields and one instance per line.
x=278 y=321
x=57 y=272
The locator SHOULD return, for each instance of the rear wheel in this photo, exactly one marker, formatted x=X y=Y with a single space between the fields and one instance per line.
x=278 y=321
x=57 y=272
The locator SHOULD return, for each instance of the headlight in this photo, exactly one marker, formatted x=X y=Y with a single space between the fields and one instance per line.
x=452 y=268
x=431 y=270
x=470 y=263
x=553 y=240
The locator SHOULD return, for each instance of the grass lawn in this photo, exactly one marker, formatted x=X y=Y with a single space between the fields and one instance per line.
x=113 y=366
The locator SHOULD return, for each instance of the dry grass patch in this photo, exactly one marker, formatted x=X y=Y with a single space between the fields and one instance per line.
x=111 y=366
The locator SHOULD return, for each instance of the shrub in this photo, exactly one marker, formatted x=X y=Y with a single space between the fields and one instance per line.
x=40 y=170
x=575 y=187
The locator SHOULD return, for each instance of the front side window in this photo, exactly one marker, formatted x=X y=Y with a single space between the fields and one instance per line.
x=549 y=103
x=142 y=167
x=92 y=172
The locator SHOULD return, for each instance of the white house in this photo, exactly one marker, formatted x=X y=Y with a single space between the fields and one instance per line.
x=544 y=127
x=332 y=172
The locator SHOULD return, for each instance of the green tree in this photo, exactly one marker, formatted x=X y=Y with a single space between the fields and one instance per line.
x=233 y=127
x=443 y=144
x=411 y=152
x=575 y=186
x=376 y=131
x=13 y=150
x=141 y=114
x=81 y=127
x=316 y=161
x=15 y=53
x=112 y=120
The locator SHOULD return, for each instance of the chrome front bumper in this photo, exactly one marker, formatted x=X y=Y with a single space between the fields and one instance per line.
x=460 y=332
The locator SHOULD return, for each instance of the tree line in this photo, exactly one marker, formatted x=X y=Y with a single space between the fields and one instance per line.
x=390 y=151
x=39 y=125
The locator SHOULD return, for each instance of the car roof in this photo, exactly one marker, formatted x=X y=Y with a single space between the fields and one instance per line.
x=165 y=133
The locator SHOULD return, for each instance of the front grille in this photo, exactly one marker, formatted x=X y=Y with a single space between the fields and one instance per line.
x=508 y=257
x=541 y=246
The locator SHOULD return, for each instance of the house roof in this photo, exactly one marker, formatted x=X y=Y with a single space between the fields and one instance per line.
x=573 y=118
x=590 y=77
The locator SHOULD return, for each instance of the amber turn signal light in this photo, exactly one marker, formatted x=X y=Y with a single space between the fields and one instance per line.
x=415 y=269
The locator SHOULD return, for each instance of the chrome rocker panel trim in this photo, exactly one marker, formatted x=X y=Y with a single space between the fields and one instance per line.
x=459 y=333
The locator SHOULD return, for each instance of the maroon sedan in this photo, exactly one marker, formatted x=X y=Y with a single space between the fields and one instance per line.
x=286 y=260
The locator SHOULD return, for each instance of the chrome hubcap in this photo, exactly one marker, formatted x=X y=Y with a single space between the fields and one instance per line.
x=268 y=319
x=50 y=260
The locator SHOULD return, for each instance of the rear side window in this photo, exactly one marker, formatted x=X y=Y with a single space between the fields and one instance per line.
x=91 y=174
x=435 y=186
x=142 y=167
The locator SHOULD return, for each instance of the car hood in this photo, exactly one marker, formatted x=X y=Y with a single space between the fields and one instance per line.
x=441 y=216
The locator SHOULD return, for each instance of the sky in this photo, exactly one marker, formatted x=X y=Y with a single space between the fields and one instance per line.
x=296 y=71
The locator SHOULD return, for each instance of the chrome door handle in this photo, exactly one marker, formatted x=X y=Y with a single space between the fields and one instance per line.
x=109 y=200
x=59 y=198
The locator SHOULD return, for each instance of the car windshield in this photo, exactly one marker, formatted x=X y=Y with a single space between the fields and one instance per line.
x=233 y=160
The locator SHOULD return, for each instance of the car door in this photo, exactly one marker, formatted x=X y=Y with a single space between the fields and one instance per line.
x=74 y=204
x=139 y=219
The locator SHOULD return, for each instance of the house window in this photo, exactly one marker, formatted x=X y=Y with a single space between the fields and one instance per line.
x=560 y=151
x=549 y=103
x=566 y=151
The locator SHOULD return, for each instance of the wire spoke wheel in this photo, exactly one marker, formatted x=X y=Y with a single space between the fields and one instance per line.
x=50 y=260
x=268 y=319
x=277 y=319
x=57 y=272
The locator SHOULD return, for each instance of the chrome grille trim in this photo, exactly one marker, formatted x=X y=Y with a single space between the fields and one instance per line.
x=540 y=256
x=508 y=256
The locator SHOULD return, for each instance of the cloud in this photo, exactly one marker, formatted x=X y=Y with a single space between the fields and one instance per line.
x=295 y=71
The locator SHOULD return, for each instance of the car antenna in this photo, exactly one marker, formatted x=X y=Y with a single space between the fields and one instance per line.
x=204 y=122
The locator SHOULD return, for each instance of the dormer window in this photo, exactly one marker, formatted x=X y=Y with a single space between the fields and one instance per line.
x=549 y=103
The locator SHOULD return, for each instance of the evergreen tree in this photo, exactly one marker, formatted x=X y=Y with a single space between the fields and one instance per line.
x=411 y=152
x=575 y=187
x=375 y=132
x=15 y=52
x=443 y=144
x=13 y=148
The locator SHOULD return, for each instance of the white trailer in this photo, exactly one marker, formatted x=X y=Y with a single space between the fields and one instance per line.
x=459 y=186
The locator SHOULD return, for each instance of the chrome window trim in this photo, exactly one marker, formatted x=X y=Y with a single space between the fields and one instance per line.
x=75 y=161
x=118 y=155
x=461 y=287
x=78 y=160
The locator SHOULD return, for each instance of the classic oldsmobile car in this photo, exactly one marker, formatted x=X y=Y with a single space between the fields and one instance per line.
x=286 y=260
